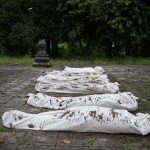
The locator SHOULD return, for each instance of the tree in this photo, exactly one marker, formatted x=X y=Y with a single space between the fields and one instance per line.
x=87 y=26
x=127 y=23
x=47 y=17
x=18 y=33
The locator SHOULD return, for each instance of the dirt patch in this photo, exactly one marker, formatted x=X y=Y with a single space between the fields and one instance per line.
x=93 y=114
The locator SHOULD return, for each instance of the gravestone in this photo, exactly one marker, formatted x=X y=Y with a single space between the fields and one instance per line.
x=42 y=58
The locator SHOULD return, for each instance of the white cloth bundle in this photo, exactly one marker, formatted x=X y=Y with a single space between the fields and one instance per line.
x=68 y=71
x=74 y=87
x=57 y=78
x=76 y=80
x=124 y=100
x=80 y=119
x=85 y=70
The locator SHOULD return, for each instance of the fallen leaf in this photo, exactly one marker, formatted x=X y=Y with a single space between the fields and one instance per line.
x=2 y=139
x=13 y=133
x=30 y=125
x=66 y=141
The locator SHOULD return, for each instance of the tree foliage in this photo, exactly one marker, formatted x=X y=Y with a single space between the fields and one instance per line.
x=88 y=27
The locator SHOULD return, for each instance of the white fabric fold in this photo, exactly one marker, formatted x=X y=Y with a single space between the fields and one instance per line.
x=56 y=78
x=124 y=100
x=76 y=80
x=85 y=70
x=69 y=71
x=80 y=119
x=75 y=87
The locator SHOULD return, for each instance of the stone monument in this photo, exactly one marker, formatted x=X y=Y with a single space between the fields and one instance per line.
x=42 y=58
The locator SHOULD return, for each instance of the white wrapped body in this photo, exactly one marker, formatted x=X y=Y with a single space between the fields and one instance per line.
x=124 y=100
x=68 y=71
x=84 y=70
x=56 y=78
x=76 y=80
x=80 y=119
x=75 y=87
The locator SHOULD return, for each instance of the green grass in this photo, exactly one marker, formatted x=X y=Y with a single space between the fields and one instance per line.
x=127 y=61
x=27 y=60
x=105 y=61
x=129 y=147
x=6 y=60
x=4 y=129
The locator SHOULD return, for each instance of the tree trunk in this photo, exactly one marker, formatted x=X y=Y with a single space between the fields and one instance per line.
x=83 y=52
x=55 y=51
x=48 y=45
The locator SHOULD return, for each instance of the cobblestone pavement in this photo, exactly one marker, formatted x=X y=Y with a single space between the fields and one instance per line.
x=16 y=81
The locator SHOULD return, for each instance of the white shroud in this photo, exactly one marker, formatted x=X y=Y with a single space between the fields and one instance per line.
x=80 y=119
x=75 y=87
x=124 y=100
x=76 y=80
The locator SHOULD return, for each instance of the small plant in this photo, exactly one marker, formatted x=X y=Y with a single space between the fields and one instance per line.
x=128 y=147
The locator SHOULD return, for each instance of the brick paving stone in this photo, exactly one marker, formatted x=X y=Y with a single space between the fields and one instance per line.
x=16 y=81
x=16 y=102
x=8 y=146
x=44 y=147
x=26 y=147
x=42 y=138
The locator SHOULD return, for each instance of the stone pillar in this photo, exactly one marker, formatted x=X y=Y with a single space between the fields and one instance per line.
x=42 y=58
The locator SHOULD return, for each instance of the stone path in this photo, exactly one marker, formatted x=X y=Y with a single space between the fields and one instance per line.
x=16 y=81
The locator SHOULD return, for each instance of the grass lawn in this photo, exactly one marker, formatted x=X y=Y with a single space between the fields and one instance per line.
x=27 y=60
